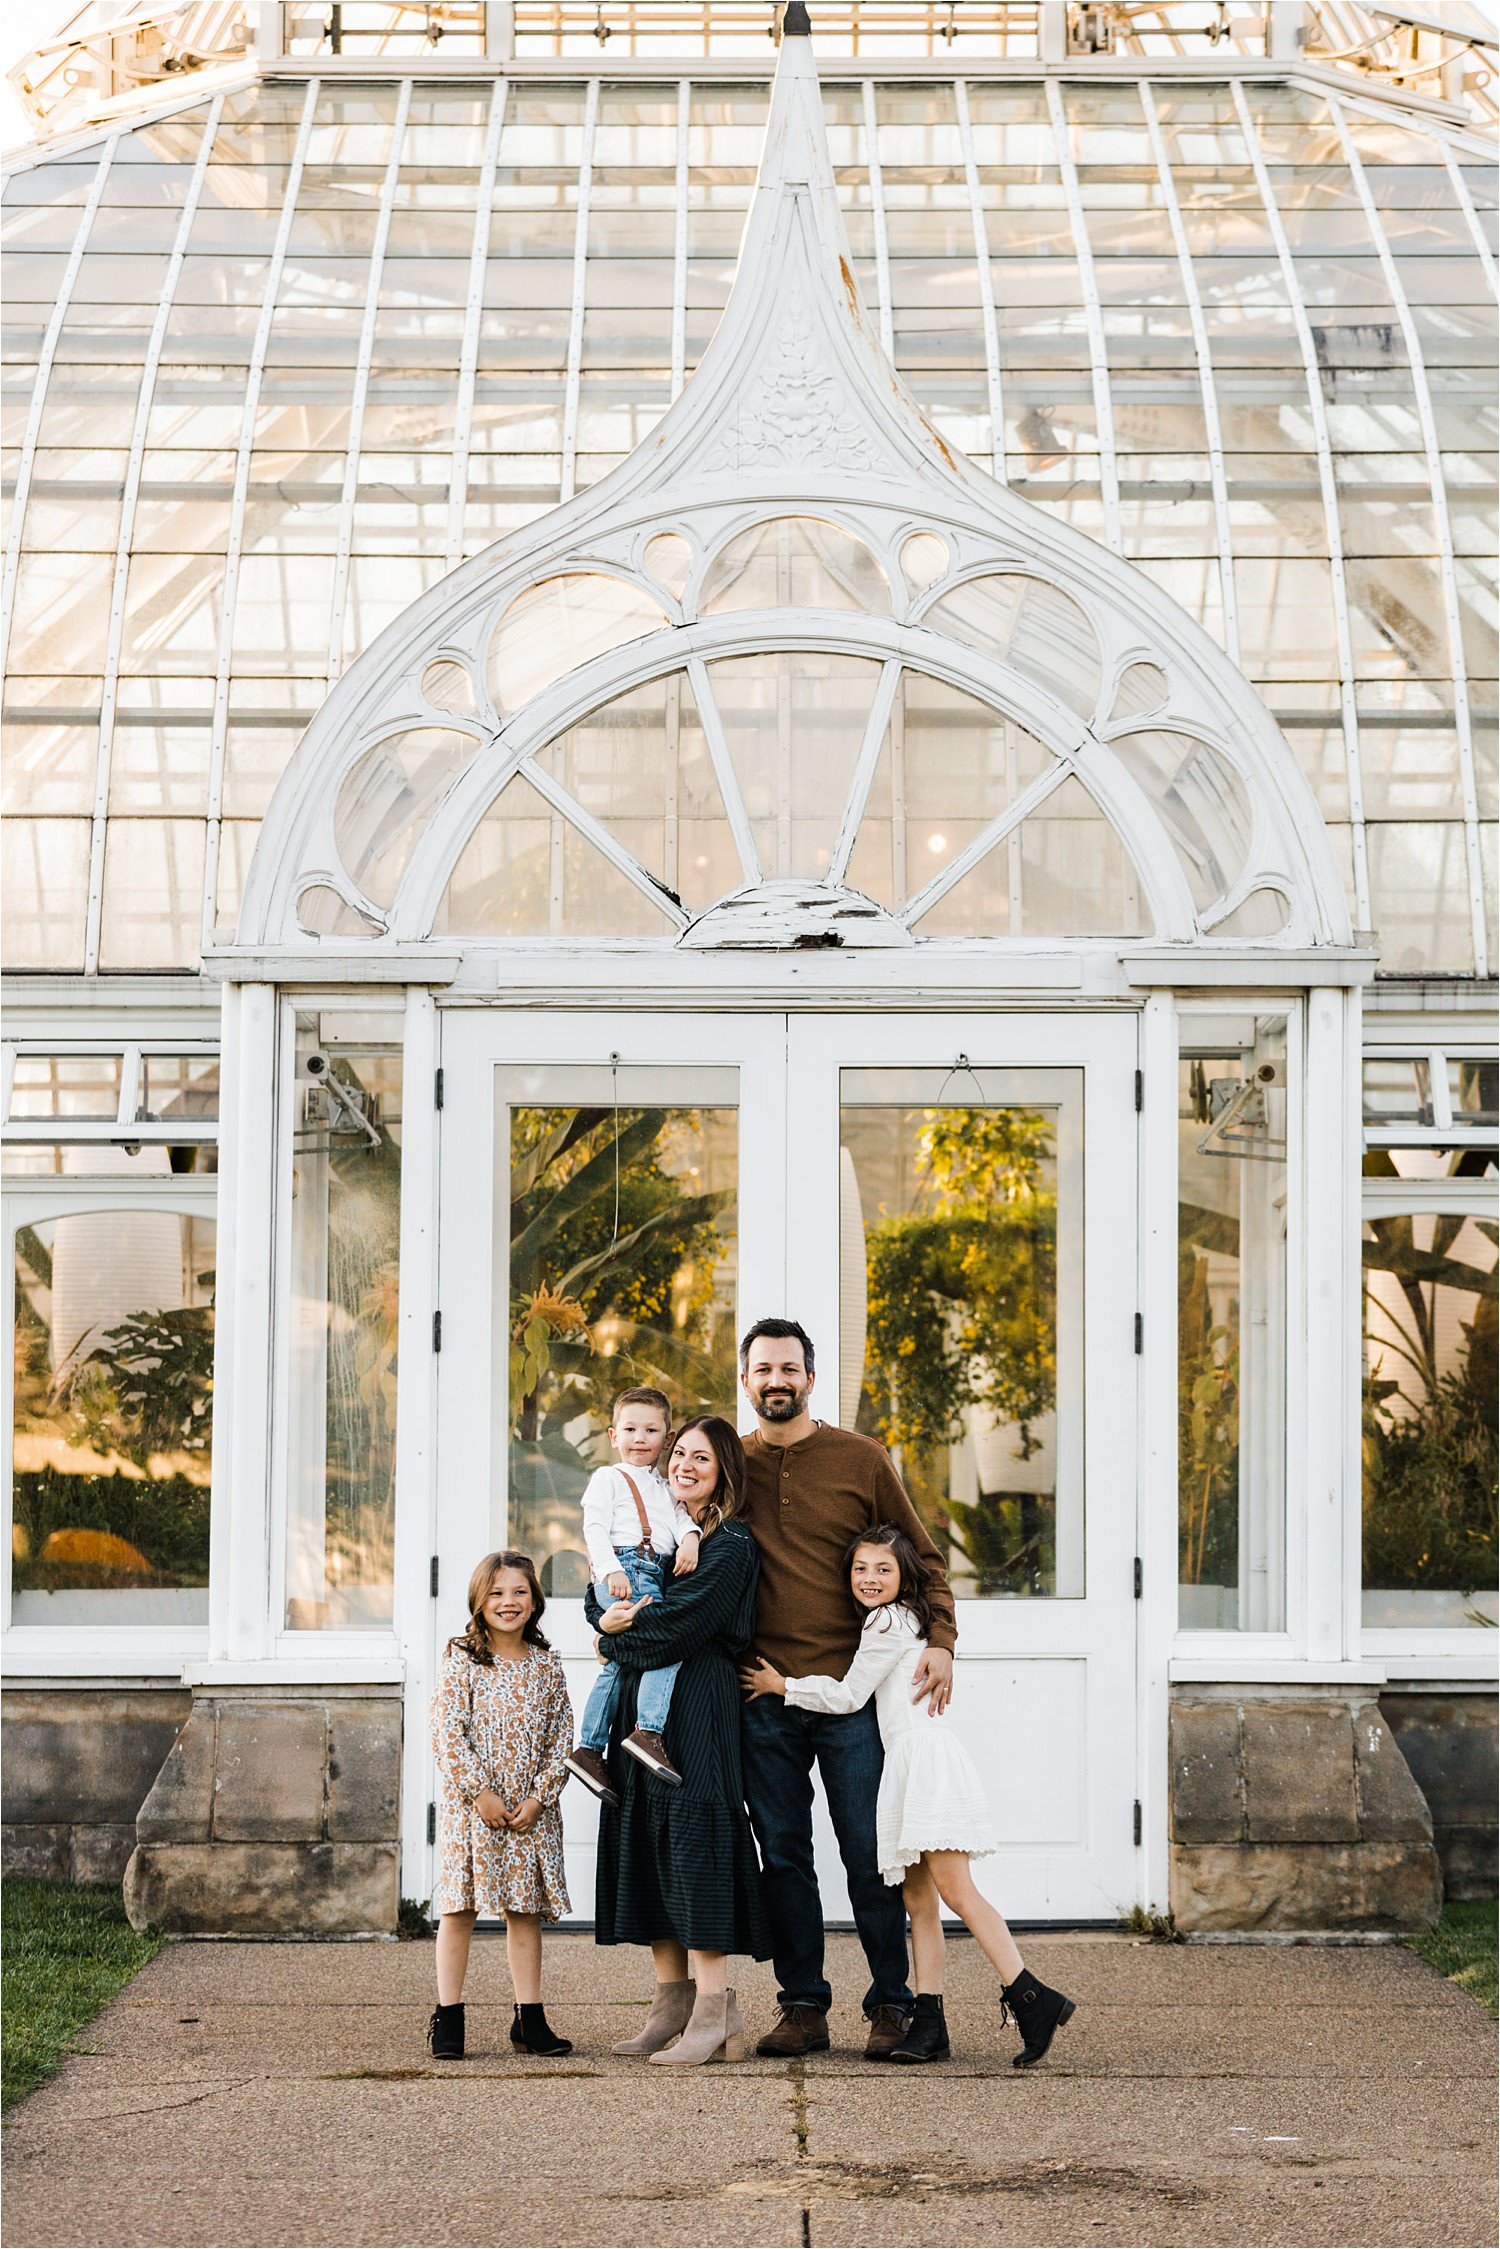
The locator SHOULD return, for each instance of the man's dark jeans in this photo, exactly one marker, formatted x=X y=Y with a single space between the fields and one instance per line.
x=781 y=1747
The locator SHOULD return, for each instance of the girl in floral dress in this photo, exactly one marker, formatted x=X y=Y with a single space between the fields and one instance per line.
x=502 y=1728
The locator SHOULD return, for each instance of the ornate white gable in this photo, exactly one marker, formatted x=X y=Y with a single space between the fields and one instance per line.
x=796 y=586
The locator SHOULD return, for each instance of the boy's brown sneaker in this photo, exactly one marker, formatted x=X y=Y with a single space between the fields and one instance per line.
x=588 y=1766
x=651 y=1751
x=888 y=2027
x=798 y=2030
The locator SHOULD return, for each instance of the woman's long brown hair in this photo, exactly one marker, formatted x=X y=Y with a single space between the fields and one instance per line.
x=724 y=1439
x=474 y=1639
x=915 y=1575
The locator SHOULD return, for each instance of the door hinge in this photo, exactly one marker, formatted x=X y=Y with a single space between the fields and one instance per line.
x=437 y=1332
x=432 y=1577
x=1140 y=1334
x=1135 y=1824
x=1139 y=1577
x=437 y=1089
x=432 y=1823
x=1140 y=1091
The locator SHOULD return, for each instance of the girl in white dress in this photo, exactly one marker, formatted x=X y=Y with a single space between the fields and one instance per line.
x=931 y=1817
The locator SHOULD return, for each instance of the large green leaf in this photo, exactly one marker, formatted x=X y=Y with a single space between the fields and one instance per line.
x=674 y=1217
x=529 y=1165
x=593 y=1178
x=1429 y=1267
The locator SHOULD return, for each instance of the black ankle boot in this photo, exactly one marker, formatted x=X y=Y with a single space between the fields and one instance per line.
x=445 y=2033
x=1037 y=2012
x=926 y=2039
x=530 y=2029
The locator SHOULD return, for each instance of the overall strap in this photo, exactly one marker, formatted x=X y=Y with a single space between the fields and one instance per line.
x=640 y=1508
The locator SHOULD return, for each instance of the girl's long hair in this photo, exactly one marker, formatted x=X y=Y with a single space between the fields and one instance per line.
x=729 y=1493
x=474 y=1639
x=915 y=1574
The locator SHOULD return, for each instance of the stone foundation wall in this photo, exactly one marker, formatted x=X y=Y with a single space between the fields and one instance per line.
x=1448 y=1738
x=79 y=1762
x=1295 y=1812
x=276 y=1810
x=276 y=1813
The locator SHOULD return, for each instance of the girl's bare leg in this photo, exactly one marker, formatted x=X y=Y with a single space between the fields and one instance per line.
x=670 y=1961
x=920 y=1893
x=523 y=1949
x=454 y=1932
x=709 y=1970
x=956 y=1888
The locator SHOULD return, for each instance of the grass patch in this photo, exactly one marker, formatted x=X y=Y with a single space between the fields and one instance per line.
x=413 y=1921
x=1462 y=1947
x=66 y=1953
x=1156 y=1928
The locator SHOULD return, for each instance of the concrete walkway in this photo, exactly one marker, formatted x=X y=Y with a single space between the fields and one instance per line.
x=244 y=2093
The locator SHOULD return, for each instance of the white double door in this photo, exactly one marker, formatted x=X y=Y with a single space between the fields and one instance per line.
x=948 y=1204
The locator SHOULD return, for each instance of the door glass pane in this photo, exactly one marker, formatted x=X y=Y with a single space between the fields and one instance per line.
x=622 y=1207
x=113 y=1449
x=345 y=1272
x=1429 y=1418
x=960 y=1311
x=1231 y=1324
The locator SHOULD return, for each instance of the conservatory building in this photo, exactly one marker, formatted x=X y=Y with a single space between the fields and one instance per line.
x=665 y=665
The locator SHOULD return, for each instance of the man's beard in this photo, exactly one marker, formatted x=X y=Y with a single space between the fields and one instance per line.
x=782 y=1406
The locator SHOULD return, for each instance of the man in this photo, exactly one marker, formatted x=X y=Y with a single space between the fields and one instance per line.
x=813 y=1489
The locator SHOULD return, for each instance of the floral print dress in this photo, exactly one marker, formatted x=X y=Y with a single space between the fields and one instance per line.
x=508 y=1727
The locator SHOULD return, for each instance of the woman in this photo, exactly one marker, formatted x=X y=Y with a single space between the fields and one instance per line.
x=677 y=1868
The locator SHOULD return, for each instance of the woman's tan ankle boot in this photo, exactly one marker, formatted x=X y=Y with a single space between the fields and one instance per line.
x=670 y=2013
x=716 y=2032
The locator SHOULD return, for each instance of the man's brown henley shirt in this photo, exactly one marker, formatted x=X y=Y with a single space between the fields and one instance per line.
x=805 y=1504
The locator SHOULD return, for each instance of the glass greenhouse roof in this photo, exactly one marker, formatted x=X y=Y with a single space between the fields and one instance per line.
x=279 y=359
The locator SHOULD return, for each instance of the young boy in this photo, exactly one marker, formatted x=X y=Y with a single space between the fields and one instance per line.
x=632 y=1526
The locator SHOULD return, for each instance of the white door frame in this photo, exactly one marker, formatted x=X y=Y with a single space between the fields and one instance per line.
x=790 y=1161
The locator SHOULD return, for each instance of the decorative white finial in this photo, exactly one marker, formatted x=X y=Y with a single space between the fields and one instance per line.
x=795 y=377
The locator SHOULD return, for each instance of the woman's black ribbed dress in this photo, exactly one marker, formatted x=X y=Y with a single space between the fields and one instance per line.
x=680 y=1862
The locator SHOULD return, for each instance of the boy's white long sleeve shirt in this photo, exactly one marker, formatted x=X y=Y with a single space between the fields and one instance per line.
x=610 y=1518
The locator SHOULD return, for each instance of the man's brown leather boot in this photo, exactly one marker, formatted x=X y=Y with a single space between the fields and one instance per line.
x=798 y=2030
x=888 y=2026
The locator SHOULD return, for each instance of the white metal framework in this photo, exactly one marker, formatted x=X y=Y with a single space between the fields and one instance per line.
x=1451 y=605
x=794 y=429
x=1237 y=356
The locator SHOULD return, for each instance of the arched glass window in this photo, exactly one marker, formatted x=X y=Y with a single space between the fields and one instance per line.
x=809 y=765
x=795 y=562
x=554 y=627
x=386 y=800
x=1029 y=625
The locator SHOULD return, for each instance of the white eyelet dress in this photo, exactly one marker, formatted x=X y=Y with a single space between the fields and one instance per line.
x=931 y=1797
